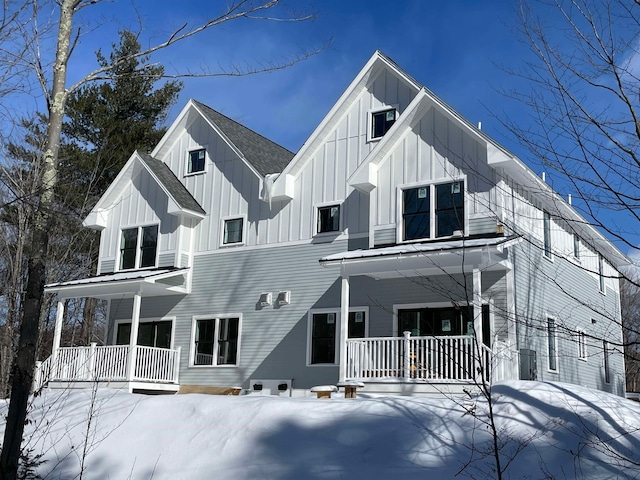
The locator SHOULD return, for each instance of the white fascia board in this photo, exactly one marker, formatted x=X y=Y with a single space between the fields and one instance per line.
x=174 y=130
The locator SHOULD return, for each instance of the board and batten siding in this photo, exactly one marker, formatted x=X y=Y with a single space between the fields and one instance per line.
x=565 y=291
x=142 y=203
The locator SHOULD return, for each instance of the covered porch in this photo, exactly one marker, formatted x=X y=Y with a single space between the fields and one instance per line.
x=449 y=343
x=130 y=366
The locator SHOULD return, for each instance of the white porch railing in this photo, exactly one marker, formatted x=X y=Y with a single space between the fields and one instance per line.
x=108 y=364
x=441 y=359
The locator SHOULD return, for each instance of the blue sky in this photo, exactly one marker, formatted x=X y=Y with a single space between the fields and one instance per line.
x=460 y=49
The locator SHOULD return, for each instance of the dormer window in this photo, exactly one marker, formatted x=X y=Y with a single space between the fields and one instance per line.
x=381 y=122
x=196 y=160
x=138 y=247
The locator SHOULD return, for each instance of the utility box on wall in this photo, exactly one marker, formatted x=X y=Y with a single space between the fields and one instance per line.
x=528 y=364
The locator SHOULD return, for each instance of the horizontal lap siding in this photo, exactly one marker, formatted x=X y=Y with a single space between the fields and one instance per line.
x=565 y=291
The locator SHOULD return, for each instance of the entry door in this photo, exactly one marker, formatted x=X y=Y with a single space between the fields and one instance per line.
x=150 y=334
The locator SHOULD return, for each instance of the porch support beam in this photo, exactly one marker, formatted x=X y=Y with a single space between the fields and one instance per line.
x=344 y=327
x=57 y=331
x=477 y=305
x=133 y=339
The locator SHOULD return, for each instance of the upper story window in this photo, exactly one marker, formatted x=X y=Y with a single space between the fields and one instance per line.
x=576 y=246
x=233 y=231
x=546 y=226
x=381 y=122
x=552 y=345
x=328 y=219
x=433 y=211
x=196 y=160
x=138 y=247
x=601 y=273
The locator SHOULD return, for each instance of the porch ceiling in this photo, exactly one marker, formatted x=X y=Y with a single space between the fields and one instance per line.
x=432 y=258
x=150 y=283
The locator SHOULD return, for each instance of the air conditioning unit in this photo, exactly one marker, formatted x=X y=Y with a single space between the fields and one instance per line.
x=265 y=299
x=284 y=298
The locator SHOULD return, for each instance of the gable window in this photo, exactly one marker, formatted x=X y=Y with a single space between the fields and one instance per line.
x=381 y=122
x=196 y=160
x=582 y=345
x=233 y=231
x=444 y=203
x=138 y=247
x=552 y=344
x=216 y=341
x=328 y=219
x=547 y=234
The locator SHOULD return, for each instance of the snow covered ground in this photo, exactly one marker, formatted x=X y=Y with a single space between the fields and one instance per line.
x=546 y=431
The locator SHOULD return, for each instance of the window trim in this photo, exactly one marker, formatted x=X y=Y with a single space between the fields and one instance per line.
x=372 y=112
x=138 y=258
x=120 y=321
x=432 y=209
x=583 y=350
x=187 y=163
x=316 y=217
x=547 y=241
x=223 y=222
x=550 y=318
x=216 y=317
x=337 y=312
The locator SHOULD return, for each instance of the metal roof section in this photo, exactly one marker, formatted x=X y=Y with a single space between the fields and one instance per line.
x=155 y=282
x=418 y=259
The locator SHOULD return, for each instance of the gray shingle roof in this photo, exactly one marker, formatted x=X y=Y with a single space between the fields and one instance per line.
x=174 y=186
x=265 y=155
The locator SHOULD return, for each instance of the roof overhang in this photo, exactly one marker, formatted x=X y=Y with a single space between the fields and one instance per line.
x=148 y=283
x=421 y=259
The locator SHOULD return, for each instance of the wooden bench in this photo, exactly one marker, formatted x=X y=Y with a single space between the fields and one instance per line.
x=324 y=391
x=350 y=387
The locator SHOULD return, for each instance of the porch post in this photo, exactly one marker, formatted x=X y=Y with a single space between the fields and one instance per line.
x=57 y=334
x=477 y=306
x=344 y=327
x=133 y=339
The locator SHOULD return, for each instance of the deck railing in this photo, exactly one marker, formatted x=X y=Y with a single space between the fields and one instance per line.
x=444 y=358
x=108 y=364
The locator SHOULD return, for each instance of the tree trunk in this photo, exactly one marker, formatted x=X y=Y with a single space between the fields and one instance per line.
x=22 y=373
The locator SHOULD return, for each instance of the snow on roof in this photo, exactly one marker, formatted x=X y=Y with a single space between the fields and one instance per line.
x=115 y=277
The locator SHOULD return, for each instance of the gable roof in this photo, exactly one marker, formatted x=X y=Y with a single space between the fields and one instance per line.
x=263 y=154
x=181 y=202
x=174 y=187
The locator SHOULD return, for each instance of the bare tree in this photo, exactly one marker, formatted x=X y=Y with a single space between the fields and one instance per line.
x=56 y=93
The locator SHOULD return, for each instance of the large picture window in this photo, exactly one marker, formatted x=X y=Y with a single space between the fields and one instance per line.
x=441 y=203
x=138 y=247
x=216 y=341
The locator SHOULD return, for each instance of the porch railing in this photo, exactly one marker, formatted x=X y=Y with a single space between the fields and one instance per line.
x=109 y=363
x=444 y=358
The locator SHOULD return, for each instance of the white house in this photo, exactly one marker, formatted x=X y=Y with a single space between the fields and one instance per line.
x=400 y=247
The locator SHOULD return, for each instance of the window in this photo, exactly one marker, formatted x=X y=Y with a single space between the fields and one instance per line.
x=328 y=219
x=233 y=231
x=357 y=325
x=607 y=370
x=138 y=247
x=601 y=273
x=547 y=234
x=150 y=334
x=552 y=343
x=436 y=321
x=582 y=346
x=381 y=122
x=196 y=161
x=216 y=341
x=323 y=338
x=576 y=246
x=443 y=202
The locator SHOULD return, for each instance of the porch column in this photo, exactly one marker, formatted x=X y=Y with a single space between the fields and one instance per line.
x=344 y=327
x=133 y=339
x=57 y=334
x=477 y=306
